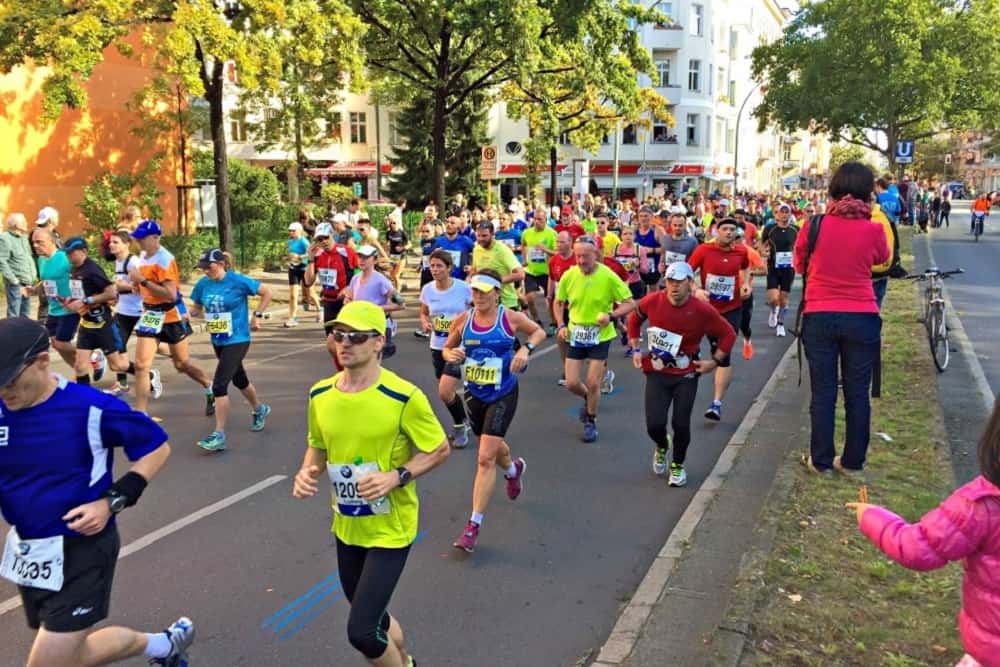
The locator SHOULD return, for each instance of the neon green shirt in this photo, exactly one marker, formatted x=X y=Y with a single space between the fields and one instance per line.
x=381 y=425
x=591 y=295
x=501 y=259
x=530 y=238
x=589 y=225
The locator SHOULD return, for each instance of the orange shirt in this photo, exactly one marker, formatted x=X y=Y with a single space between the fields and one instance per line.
x=981 y=205
x=159 y=268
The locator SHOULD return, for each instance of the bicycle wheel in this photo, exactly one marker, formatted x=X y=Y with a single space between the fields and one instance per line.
x=937 y=335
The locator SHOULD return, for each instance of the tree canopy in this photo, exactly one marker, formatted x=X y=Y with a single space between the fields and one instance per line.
x=903 y=69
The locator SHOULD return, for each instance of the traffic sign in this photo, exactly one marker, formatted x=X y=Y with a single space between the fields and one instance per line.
x=488 y=163
x=904 y=152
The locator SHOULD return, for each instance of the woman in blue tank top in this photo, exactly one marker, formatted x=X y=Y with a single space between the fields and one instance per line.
x=483 y=341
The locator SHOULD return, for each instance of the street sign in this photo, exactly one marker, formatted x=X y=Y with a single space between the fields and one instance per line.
x=947 y=158
x=904 y=152
x=488 y=163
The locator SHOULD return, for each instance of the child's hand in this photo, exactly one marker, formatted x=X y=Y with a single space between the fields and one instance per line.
x=859 y=508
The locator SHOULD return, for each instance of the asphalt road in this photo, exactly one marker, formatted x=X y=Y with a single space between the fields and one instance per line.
x=257 y=573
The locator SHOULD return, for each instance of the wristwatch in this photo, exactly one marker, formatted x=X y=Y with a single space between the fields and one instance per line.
x=531 y=347
x=258 y=314
x=404 y=476
x=116 y=501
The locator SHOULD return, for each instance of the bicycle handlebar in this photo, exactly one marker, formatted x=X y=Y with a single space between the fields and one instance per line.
x=934 y=271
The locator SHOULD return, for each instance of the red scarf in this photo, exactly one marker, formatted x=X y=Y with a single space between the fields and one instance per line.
x=849 y=207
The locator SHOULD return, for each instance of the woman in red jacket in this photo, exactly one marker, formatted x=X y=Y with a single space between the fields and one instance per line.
x=841 y=328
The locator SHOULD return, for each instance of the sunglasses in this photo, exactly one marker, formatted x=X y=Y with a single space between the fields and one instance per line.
x=320 y=239
x=356 y=337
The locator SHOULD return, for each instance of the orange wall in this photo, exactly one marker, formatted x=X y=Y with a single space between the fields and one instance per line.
x=49 y=163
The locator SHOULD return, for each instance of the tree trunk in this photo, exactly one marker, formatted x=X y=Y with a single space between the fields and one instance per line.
x=217 y=123
x=300 y=158
x=553 y=179
x=439 y=127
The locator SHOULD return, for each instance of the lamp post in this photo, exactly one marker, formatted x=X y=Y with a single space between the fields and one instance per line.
x=736 y=143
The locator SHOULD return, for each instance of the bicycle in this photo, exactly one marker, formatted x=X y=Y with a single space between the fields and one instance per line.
x=978 y=217
x=933 y=313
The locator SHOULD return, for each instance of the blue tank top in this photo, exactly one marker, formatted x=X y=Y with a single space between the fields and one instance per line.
x=488 y=354
x=648 y=240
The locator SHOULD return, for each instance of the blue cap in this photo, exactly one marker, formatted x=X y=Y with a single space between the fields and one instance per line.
x=75 y=243
x=211 y=256
x=147 y=228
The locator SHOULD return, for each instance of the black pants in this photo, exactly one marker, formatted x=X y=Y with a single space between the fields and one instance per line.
x=230 y=368
x=745 y=316
x=662 y=391
x=944 y=220
x=369 y=577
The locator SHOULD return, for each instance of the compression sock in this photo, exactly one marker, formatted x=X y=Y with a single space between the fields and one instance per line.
x=157 y=645
x=477 y=518
x=457 y=411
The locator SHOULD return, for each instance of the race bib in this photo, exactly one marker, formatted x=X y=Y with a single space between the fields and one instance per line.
x=509 y=243
x=33 y=563
x=151 y=322
x=720 y=288
x=51 y=289
x=219 y=324
x=585 y=336
x=485 y=372
x=783 y=260
x=441 y=325
x=671 y=257
x=627 y=262
x=76 y=290
x=663 y=343
x=537 y=255
x=348 y=502
x=328 y=278
x=425 y=262
x=456 y=258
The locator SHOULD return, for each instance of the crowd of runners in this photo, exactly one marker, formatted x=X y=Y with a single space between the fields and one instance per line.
x=657 y=278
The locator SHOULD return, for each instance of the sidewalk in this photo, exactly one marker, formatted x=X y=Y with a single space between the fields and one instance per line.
x=695 y=603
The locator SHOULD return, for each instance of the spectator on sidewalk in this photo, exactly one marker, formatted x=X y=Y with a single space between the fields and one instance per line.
x=966 y=528
x=841 y=328
x=17 y=266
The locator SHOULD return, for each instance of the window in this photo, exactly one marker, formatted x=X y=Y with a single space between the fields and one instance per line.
x=730 y=139
x=694 y=70
x=697 y=26
x=711 y=86
x=395 y=137
x=272 y=125
x=333 y=129
x=719 y=131
x=237 y=126
x=692 y=129
x=720 y=77
x=667 y=9
x=732 y=92
x=629 y=135
x=359 y=127
x=786 y=153
x=661 y=134
x=708 y=131
x=663 y=73
x=734 y=42
x=564 y=139
x=606 y=139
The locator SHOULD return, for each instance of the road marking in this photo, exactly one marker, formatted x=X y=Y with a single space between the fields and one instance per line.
x=633 y=617
x=151 y=538
x=964 y=342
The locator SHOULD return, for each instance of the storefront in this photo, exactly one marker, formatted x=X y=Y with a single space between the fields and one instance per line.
x=359 y=176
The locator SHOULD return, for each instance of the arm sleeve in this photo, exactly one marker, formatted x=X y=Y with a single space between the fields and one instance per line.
x=136 y=433
x=696 y=258
x=949 y=532
x=420 y=424
x=634 y=321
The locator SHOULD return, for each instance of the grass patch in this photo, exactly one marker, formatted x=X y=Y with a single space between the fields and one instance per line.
x=857 y=607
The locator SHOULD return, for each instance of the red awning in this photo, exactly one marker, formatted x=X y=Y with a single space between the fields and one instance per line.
x=521 y=170
x=623 y=169
x=349 y=169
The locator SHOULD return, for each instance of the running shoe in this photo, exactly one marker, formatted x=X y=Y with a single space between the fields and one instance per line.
x=551 y=331
x=99 y=363
x=514 y=483
x=747 y=350
x=590 y=432
x=772 y=318
x=677 y=475
x=659 y=461
x=628 y=352
x=260 y=417
x=291 y=322
x=714 y=411
x=209 y=405
x=116 y=389
x=608 y=383
x=214 y=443
x=181 y=636
x=467 y=540
x=561 y=381
x=420 y=333
x=155 y=383
x=781 y=331
x=460 y=436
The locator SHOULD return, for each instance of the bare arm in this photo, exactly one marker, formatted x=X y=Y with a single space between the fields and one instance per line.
x=304 y=485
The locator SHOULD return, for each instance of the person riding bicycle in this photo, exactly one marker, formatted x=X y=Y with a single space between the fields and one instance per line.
x=980 y=209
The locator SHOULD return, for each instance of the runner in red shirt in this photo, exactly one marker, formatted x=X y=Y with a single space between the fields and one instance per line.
x=569 y=223
x=725 y=280
x=559 y=264
x=676 y=325
x=332 y=265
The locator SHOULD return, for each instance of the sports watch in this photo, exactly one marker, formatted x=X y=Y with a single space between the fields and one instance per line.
x=116 y=501
x=404 y=476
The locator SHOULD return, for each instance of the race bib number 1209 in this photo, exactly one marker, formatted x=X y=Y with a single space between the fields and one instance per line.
x=345 y=477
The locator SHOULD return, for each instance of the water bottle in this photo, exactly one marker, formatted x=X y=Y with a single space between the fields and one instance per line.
x=375 y=504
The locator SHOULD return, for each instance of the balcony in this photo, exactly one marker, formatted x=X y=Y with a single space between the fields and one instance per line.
x=669 y=38
x=672 y=93
x=666 y=151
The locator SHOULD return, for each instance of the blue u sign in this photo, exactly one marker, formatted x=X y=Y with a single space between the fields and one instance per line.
x=904 y=151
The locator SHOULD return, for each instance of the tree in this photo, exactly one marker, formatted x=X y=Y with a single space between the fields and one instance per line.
x=192 y=42
x=465 y=134
x=863 y=70
x=449 y=50
x=841 y=153
x=108 y=193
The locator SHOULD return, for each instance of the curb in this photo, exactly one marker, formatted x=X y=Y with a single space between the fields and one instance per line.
x=633 y=617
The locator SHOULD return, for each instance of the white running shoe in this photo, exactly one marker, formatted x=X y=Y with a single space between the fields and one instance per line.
x=291 y=322
x=608 y=383
x=772 y=318
x=181 y=636
x=155 y=383
x=99 y=364
x=659 y=461
x=781 y=331
x=678 y=477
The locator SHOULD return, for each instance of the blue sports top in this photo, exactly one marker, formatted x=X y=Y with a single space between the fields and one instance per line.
x=57 y=455
x=488 y=353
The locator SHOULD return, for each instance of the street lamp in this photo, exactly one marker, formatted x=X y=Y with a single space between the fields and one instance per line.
x=736 y=144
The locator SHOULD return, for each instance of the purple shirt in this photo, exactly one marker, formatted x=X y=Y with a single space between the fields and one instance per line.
x=376 y=289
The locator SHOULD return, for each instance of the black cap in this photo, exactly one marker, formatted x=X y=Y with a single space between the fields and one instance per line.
x=24 y=339
x=209 y=256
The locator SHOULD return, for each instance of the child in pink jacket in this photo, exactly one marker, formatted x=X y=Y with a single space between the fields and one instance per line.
x=966 y=527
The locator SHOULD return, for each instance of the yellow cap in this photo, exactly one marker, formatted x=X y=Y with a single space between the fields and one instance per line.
x=361 y=316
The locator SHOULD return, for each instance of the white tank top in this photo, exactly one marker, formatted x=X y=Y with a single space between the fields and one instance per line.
x=128 y=303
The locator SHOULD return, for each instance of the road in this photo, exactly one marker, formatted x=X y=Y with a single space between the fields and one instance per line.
x=257 y=572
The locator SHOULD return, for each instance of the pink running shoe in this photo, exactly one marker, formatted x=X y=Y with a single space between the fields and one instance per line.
x=467 y=540
x=514 y=483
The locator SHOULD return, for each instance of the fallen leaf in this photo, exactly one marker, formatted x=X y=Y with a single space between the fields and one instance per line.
x=937 y=648
x=795 y=597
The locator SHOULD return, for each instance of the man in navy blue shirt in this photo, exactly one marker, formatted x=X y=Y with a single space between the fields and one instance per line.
x=57 y=442
x=457 y=245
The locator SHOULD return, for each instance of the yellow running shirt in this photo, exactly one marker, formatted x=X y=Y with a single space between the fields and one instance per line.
x=379 y=425
x=501 y=259
x=588 y=297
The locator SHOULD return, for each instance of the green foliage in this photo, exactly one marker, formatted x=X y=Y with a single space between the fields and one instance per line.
x=187 y=249
x=907 y=69
x=108 y=194
x=841 y=153
x=465 y=134
x=928 y=158
x=337 y=195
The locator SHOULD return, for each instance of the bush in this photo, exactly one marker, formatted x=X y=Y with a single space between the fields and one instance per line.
x=187 y=249
x=108 y=194
x=335 y=194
